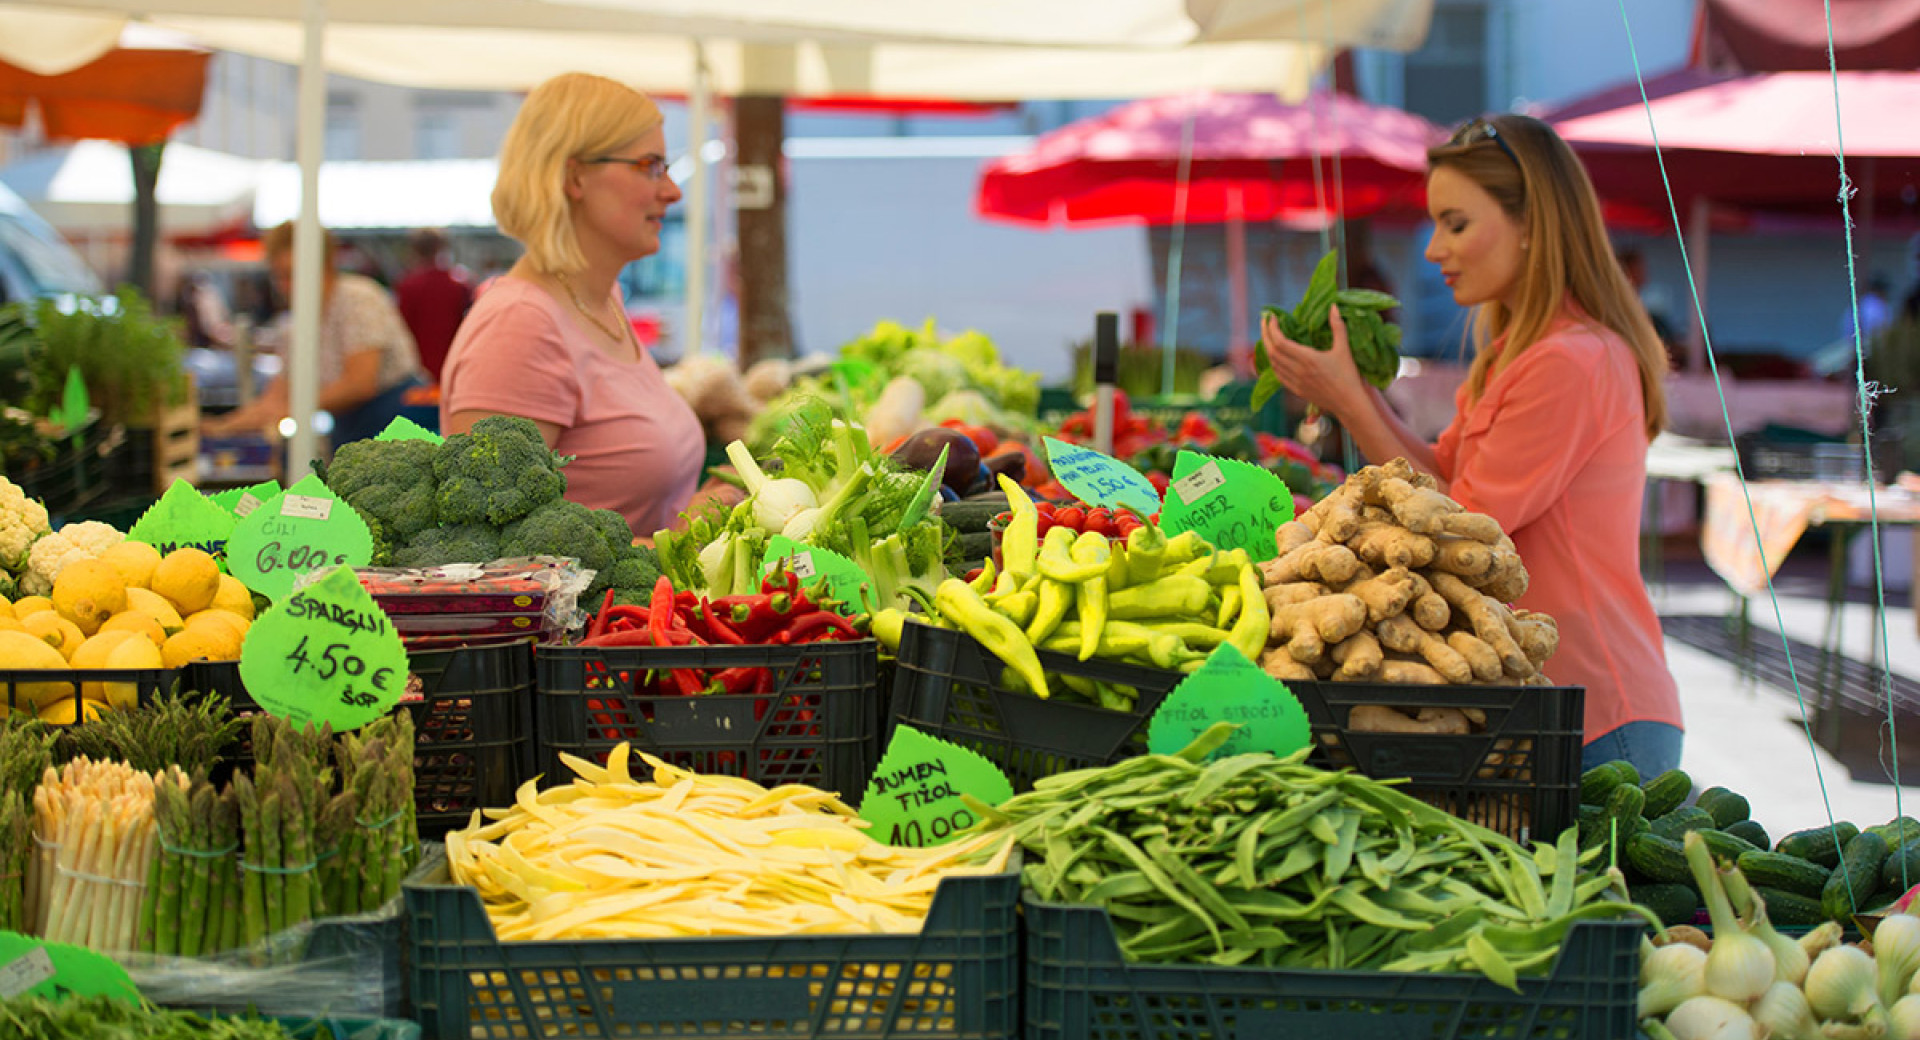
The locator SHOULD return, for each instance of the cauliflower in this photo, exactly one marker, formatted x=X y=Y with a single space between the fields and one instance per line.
x=51 y=554
x=22 y=521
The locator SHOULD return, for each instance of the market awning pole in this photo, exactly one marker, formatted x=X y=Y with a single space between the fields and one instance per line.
x=695 y=339
x=1699 y=230
x=303 y=362
x=1239 y=343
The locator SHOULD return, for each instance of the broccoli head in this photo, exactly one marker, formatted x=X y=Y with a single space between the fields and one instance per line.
x=390 y=482
x=614 y=526
x=496 y=473
x=636 y=569
x=454 y=543
x=560 y=528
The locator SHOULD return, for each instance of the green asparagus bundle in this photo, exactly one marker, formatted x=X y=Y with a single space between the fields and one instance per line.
x=382 y=844
x=24 y=756
x=188 y=883
x=185 y=731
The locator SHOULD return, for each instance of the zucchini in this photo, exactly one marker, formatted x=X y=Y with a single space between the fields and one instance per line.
x=1902 y=868
x=1597 y=784
x=1667 y=792
x=1784 y=872
x=1727 y=807
x=1658 y=858
x=1670 y=901
x=1677 y=823
x=1750 y=832
x=1817 y=844
x=972 y=515
x=1790 y=908
x=1856 y=879
x=1725 y=846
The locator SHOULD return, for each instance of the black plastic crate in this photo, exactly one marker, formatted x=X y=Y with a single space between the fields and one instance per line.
x=1080 y=987
x=1519 y=776
x=472 y=718
x=143 y=683
x=821 y=725
x=75 y=477
x=957 y=979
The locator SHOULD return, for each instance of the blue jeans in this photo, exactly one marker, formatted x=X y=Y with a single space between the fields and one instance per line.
x=1651 y=747
x=370 y=418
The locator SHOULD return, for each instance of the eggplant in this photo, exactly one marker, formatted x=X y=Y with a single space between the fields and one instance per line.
x=922 y=450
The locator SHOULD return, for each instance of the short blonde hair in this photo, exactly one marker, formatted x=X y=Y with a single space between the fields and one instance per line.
x=571 y=116
x=278 y=241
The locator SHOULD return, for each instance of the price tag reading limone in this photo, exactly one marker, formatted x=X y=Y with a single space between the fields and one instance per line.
x=303 y=529
x=1099 y=479
x=185 y=518
x=913 y=799
x=1232 y=504
x=846 y=582
x=1230 y=688
x=326 y=654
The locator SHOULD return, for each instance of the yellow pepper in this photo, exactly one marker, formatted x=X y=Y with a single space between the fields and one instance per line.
x=1090 y=596
x=1229 y=605
x=1070 y=559
x=1249 y=634
x=998 y=634
x=1020 y=542
x=1019 y=606
x=1053 y=600
x=1169 y=596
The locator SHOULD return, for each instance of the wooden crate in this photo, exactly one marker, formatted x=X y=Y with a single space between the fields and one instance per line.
x=176 y=445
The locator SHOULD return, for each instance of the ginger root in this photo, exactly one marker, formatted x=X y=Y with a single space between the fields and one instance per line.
x=1429 y=609
x=1402 y=635
x=1479 y=656
x=1358 y=657
x=1489 y=620
x=1334 y=518
x=1314 y=561
x=1478 y=526
x=1306 y=629
x=1403 y=671
x=1378 y=718
x=1468 y=559
x=1385 y=595
x=1418 y=509
x=1389 y=546
x=1292 y=535
x=1537 y=634
x=1281 y=665
x=1293 y=592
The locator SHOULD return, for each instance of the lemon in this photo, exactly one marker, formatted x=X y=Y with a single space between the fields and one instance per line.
x=225 y=619
x=19 y=651
x=134 y=560
x=233 y=596
x=188 y=578
x=134 y=621
x=200 y=642
x=88 y=592
x=118 y=648
x=155 y=606
x=55 y=631
x=31 y=605
x=9 y=623
x=61 y=713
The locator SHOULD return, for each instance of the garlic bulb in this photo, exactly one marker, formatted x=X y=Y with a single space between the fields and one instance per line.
x=1740 y=967
x=1710 y=1018
x=1783 y=1011
x=1821 y=939
x=1904 y=1019
x=1669 y=976
x=1896 y=955
x=1841 y=984
x=1790 y=960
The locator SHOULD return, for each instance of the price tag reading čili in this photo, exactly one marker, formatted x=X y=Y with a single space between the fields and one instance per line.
x=913 y=799
x=1232 y=504
x=1098 y=479
x=1230 y=688
x=325 y=654
x=845 y=580
x=304 y=528
x=185 y=518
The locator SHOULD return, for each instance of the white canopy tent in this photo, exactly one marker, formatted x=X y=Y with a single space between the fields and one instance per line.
x=988 y=49
x=85 y=188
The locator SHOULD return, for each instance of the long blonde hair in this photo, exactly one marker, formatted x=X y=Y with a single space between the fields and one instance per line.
x=571 y=116
x=1542 y=185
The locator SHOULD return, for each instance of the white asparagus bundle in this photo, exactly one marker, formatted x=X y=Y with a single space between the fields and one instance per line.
x=95 y=834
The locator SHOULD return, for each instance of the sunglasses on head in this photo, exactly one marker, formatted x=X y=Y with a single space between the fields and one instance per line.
x=1481 y=130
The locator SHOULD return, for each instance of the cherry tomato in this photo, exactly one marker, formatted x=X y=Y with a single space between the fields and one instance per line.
x=1044 y=508
x=1003 y=518
x=1125 y=526
x=1100 y=520
x=1070 y=516
x=1046 y=524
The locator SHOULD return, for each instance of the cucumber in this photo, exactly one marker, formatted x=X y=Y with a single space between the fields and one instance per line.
x=1677 y=823
x=1857 y=877
x=1784 y=872
x=1592 y=825
x=1598 y=783
x=1898 y=832
x=1902 y=869
x=1667 y=792
x=1625 y=803
x=971 y=515
x=1751 y=832
x=1725 y=846
x=1658 y=858
x=1628 y=774
x=1727 y=807
x=1671 y=902
x=1790 y=908
x=1818 y=844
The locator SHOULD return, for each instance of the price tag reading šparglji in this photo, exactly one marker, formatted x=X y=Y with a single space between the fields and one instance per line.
x=1099 y=479
x=913 y=799
x=185 y=518
x=327 y=654
x=1230 y=688
x=1232 y=504
x=303 y=529
x=845 y=580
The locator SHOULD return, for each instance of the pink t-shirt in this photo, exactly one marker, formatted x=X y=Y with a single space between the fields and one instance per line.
x=637 y=448
x=1556 y=450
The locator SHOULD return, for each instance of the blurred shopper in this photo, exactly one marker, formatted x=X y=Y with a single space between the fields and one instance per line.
x=367 y=359
x=584 y=187
x=433 y=297
x=1552 y=424
x=1652 y=297
x=1876 y=308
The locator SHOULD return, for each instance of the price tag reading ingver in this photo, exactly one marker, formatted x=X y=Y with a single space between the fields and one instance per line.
x=325 y=654
x=1232 y=504
x=302 y=530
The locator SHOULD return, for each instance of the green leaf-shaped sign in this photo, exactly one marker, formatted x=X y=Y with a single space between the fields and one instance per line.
x=914 y=796
x=185 y=518
x=405 y=429
x=845 y=580
x=325 y=654
x=242 y=501
x=1100 y=479
x=301 y=529
x=30 y=966
x=1230 y=688
x=1232 y=504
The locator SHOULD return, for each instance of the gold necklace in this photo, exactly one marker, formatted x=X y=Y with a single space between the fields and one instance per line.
x=589 y=315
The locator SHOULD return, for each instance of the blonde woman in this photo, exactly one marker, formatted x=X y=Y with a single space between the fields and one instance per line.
x=1551 y=427
x=583 y=186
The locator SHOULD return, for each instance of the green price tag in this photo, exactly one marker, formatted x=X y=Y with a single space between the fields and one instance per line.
x=1230 y=688
x=845 y=580
x=30 y=966
x=405 y=429
x=1099 y=479
x=242 y=501
x=1232 y=504
x=301 y=529
x=325 y=654
x=913 y=799
x=185 y=518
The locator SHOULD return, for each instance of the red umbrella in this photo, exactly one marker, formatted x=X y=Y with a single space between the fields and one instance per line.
x=1252 y=159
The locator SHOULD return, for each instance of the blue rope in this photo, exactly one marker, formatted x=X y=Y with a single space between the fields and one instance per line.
x=1693 y=288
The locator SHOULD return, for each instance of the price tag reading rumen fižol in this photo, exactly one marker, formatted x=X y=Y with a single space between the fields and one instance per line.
x=1232 y=504
x=302 y=530
x=325 y=654
x=914 y=799
x=1100 y=479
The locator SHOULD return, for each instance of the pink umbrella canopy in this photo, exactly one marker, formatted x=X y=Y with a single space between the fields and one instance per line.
x=1252 y=159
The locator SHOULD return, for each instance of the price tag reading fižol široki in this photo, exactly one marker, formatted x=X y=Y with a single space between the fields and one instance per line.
x=1100 y=479
x=326 y=654
x=913 y=799
x=1230 y=688
x=1232 y=504
x=303 y=529
x=185 y=518
x=846 y=582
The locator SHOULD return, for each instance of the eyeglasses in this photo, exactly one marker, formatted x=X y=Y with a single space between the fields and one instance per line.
x=652 y=167
x=1482 y=130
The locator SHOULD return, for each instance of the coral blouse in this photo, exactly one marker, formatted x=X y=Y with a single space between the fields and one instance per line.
x=1556 y=450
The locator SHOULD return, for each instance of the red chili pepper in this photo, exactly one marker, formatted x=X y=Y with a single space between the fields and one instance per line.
x=720 y=631
x=600 y=621
x=660 y=609
x=736 y=680
x=765 y=617
x=623 y=637
x=806 y=627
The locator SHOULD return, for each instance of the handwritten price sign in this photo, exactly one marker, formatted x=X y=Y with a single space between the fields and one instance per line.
x=185 y=518
x=325 y=654
x=1099 y=479
x=1231 y=504
x=1230 y=688
x=303 y=529
x=914 y=797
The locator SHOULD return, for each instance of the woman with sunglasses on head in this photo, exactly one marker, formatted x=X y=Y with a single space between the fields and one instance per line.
x=583 y=185
x=1551 y=427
